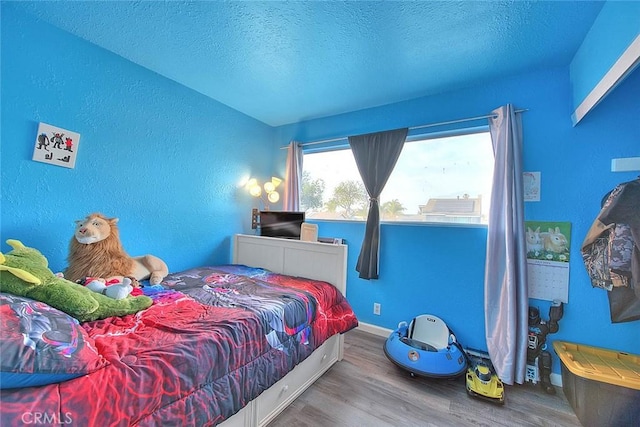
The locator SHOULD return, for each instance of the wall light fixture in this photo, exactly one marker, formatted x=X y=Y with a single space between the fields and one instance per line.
x=270 y=190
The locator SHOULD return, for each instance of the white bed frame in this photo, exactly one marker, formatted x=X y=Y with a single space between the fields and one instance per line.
x=320 y=261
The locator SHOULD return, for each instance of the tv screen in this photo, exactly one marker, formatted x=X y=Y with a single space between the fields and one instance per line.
x=281 y=224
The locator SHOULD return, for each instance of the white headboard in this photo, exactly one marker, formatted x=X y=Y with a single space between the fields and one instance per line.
x=313 y=260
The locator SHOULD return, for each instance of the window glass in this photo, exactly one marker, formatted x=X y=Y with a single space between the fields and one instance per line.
x=437 y=179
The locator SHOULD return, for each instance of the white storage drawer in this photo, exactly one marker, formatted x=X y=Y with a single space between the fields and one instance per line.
x=272 y=401
x=243 y=418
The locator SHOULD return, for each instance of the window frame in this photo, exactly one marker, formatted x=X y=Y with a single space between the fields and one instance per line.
x=414 y=135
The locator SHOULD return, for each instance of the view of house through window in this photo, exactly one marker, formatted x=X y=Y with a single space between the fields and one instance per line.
x=444 y=179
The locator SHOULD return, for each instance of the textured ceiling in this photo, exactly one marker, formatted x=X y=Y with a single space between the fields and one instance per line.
x=283 y=62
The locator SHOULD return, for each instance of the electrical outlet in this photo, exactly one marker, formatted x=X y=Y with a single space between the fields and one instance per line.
x=376 y=308
x=254 y=218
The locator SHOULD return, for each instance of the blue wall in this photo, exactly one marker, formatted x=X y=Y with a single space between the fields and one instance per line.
x=168 y=162
x=440 y=270
x=163 y=158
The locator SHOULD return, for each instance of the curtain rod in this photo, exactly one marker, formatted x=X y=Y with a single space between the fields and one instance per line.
x=450 y=122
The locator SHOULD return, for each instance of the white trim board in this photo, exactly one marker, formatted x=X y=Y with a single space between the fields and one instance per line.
x=374 y=330
x=622 y=67
x=556 y=379
x=626 y=164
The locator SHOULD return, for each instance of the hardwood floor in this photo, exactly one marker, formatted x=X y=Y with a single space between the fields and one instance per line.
x=366 y=389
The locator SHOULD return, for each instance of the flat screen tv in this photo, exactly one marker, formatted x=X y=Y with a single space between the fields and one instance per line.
x=281 y=224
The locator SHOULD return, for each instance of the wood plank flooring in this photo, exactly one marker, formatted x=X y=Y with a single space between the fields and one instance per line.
x=367 y=390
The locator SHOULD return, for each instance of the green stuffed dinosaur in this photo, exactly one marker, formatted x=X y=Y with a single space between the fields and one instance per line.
x=24 y=272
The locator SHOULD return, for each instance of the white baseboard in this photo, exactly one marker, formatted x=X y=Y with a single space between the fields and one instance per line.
x=556 y=379
x=375 y=330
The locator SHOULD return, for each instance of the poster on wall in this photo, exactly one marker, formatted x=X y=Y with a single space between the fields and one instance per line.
x=56 y=146
x=548 y=249
x=531 y=181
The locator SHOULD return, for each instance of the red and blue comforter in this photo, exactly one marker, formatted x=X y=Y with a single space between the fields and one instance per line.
x=214 y=339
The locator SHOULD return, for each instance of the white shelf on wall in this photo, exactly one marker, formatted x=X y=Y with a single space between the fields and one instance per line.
x=629 y=60
x=625 y=164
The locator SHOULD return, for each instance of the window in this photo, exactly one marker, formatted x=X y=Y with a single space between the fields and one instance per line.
x=436 y=179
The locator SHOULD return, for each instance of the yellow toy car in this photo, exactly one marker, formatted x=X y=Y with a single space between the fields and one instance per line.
x=482 y=382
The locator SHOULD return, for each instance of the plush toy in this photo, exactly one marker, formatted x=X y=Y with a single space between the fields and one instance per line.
x=95 y=250
x=24 y=271
x=111 y=288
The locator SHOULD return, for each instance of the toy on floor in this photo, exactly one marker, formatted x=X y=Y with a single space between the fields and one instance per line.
x=481 y=380
x=426 y=347
x=538 y=357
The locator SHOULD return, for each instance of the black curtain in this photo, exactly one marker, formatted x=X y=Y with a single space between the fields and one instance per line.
x=375 y=154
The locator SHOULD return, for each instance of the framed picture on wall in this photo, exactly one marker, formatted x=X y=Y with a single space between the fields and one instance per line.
x=56 y=146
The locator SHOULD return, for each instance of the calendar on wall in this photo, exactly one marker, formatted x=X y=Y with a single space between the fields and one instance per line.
x=548 y=245
x=548 y=280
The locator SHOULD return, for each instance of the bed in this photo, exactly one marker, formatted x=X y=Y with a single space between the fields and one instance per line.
x=230 y=345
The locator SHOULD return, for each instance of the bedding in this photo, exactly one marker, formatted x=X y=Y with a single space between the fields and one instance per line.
x=214 y=339
x=41 y=345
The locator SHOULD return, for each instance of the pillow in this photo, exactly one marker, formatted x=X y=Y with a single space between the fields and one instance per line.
x=41 y=345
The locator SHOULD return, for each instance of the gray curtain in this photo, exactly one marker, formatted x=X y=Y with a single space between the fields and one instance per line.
x=293 y=178
x=375 y=154
x=505 y=284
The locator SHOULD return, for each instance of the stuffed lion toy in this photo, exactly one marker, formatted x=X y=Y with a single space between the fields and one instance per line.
x=95 y=251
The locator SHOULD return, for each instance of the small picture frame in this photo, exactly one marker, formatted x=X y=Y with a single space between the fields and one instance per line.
x=56 y=146
x=531 y=186
x=309 y=232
